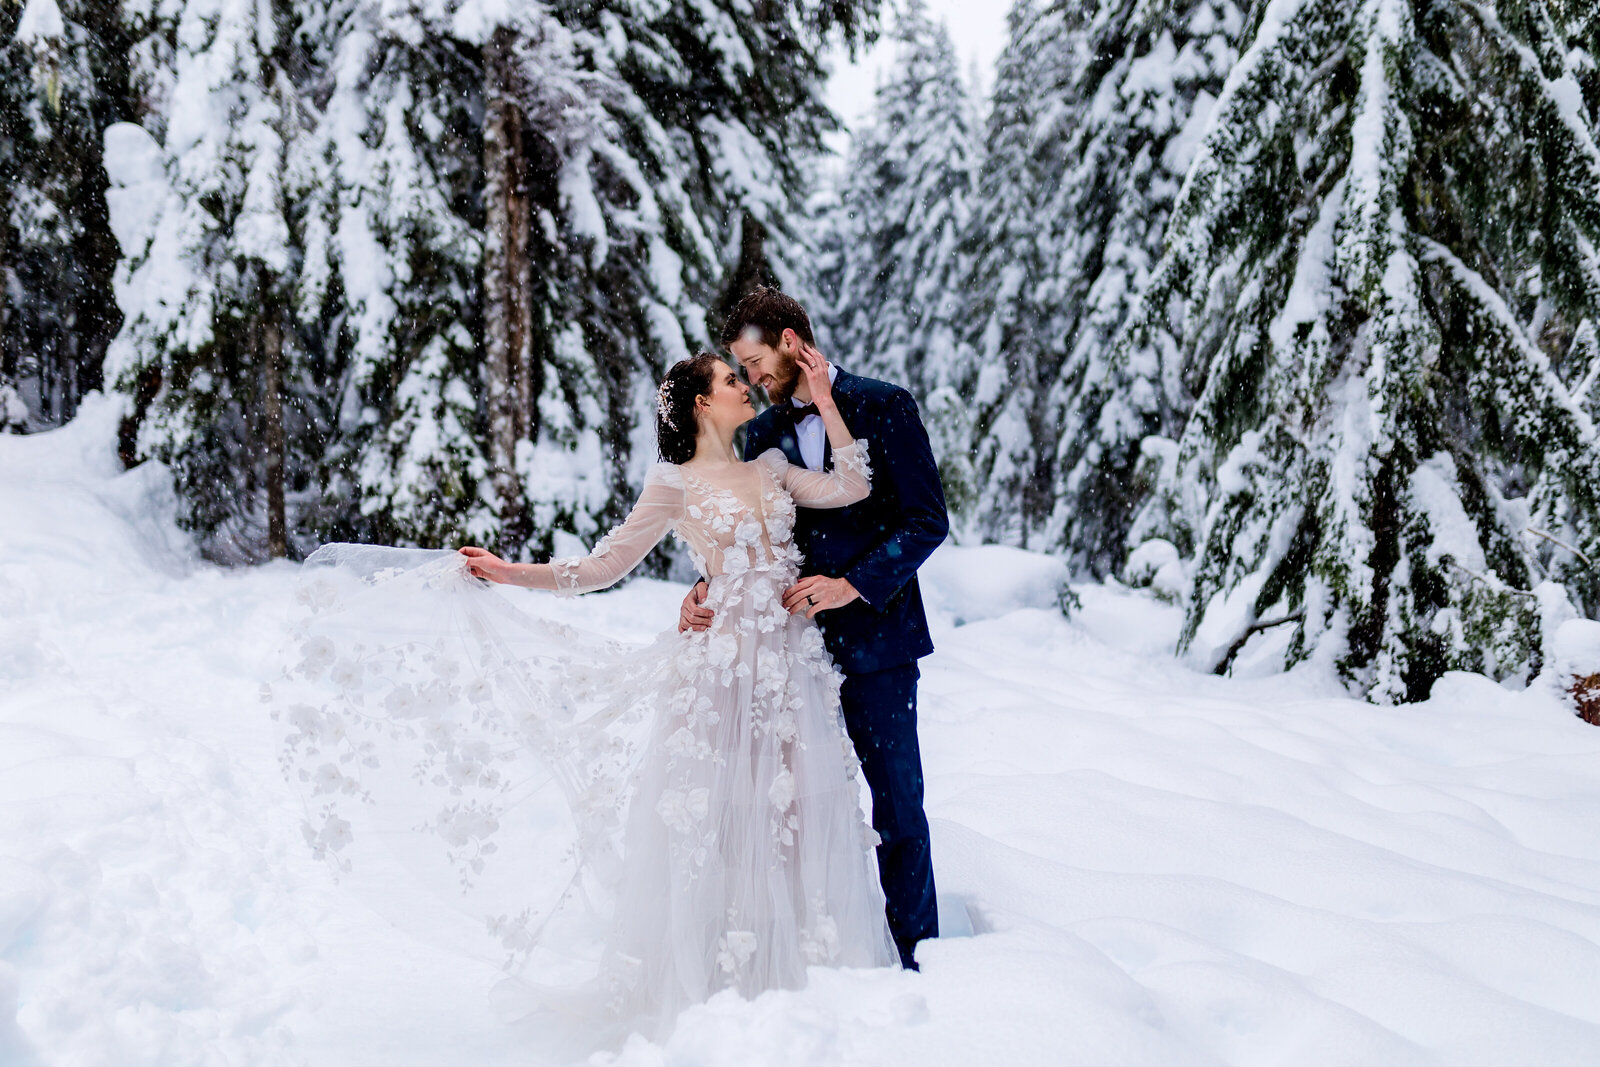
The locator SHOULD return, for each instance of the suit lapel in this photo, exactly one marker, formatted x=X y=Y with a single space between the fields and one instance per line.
x=788 y=440
x=844 y=398
x=791 y=447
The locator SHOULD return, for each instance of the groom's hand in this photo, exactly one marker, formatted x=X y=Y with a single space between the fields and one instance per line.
x=694 y=615
x=818 y=593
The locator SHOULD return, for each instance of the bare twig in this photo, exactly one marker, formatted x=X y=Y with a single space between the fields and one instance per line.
x=1559 y=544
x=1492 y=584
x=1226 y=662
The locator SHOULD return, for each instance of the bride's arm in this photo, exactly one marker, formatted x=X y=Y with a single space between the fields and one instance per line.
x=816 y=372
x=659 y=508
x=850 y=481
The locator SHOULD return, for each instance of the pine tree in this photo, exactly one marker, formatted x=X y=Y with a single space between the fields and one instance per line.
x=199 y=202
x=895 y=266
x=1007 y=318
x=1096 y=113
x=387 y=192
x=1384 y=268
x=479 y=235
x=1141 y=97
x=63 y=79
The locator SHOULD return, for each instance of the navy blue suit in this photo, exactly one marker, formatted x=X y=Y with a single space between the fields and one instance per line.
x=878 y=544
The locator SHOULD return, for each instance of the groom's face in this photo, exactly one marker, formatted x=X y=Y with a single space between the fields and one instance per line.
x=774 y=369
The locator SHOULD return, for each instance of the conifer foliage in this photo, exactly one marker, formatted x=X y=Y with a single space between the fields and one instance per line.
x=409 y=273
x=60 y=64
x=204 y=214
x=1146 y=81
x=1384 y=270
x=1096 y=114
x=895 y=270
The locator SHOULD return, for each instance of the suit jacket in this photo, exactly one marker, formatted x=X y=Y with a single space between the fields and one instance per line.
x=879 y=543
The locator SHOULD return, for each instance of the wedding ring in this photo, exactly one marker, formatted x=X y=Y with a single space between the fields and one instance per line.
x=813 y=603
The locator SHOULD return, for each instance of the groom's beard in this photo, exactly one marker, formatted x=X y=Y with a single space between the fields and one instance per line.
x=784 y=380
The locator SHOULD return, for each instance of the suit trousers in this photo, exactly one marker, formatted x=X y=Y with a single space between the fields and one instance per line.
x=880 y=714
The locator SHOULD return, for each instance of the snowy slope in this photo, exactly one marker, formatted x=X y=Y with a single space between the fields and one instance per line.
x=1160 y=867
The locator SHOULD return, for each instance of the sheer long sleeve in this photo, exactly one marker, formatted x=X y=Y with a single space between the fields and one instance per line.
x=660 y=507
x=850 y=481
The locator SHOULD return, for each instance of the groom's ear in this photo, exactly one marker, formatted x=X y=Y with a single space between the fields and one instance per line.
x=789 y=342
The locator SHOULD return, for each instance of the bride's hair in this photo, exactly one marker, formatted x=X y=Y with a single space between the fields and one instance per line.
x=687 y=381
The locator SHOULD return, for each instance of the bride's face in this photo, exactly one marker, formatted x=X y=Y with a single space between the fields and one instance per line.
x=727 y=406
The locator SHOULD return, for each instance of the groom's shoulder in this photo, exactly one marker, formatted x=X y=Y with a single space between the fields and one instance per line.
x=762 y=428
x=763 y=422
x=873 y=390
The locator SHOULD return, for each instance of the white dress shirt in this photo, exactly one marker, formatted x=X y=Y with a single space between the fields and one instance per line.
x=809 y=431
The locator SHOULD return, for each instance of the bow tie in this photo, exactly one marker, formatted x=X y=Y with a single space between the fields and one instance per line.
x=802 y=411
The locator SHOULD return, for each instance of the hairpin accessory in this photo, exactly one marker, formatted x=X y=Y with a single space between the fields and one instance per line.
x=663 y=406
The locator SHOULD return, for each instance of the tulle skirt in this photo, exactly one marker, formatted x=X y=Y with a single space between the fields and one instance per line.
x=716 y=828
x=747 y=855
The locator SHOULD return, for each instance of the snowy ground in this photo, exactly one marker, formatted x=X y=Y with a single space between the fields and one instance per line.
x=1160 y=867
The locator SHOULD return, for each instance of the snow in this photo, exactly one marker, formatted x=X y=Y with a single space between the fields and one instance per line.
x=1311 y=296
x=584 y=214
x=1157 y=564
x=1436 y=493
x=139 y=185
x=1159 y=866
x=1574 y=650
x=40 y=21
x=989 y=581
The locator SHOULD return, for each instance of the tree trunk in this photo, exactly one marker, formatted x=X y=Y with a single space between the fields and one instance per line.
x=753 y=269
x=507 y=279
x=272 y=431
x=7 y=364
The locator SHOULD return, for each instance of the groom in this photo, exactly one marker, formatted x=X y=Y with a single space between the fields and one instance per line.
x=862 y=586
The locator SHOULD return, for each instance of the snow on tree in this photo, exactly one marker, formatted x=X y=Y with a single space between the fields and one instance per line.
x=894 y=304
x=1005 y=316
x=1096 y=113
x=1139 y=99
x=498 y=224
x=200 y=209
x=387 y=187
x=1383 y=266
x=62 y=75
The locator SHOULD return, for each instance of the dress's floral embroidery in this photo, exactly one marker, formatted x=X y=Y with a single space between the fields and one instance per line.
x=855 y=460
x=735 y=949
x=780 y=516
x=569 y=569
x=316 y=655
x=681 y=810
x=819 y=939
x=744 y=826
x=782 y=791
x=721 y=651
x=567 y=575
x=772 y=675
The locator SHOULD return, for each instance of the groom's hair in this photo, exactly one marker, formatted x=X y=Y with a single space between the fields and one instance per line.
x=770 y=311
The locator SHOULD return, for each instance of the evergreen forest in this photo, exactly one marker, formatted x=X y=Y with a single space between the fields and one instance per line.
x=1287 y=311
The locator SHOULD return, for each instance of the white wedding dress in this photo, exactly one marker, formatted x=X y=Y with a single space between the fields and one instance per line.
x=745 y=856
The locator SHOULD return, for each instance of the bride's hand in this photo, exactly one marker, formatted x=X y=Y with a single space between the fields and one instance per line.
x=815 y=368
x=481 y=563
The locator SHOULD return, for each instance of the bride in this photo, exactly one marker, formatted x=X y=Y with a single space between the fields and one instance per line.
x=746 y=857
